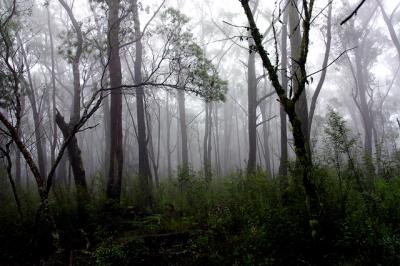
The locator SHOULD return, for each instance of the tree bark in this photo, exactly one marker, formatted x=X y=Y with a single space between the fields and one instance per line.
x=282 y=114
x=75 y=159
x=296 y=73
x=207 y=142
x=116 y=149
x=183 y=129
x=252 y=109
x=74 y=152
x=145 y=178
x=300 y=139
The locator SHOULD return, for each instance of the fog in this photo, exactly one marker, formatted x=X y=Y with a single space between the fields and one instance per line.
x=116 y=97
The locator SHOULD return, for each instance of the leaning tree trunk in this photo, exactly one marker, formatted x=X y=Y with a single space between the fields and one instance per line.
x=75 y=159
x=74 y=152
x=39 y=134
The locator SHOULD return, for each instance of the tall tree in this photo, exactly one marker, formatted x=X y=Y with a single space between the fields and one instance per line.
x=115 y=74
x=296 y=72
x=145 y=177
x=282 y=114
x=389 y=25
x=74 y=152
x=290 y=104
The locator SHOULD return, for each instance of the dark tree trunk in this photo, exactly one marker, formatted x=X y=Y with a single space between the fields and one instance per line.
x=145 y=178
x=74 y=152
x=75 y=159
x=300 y=138
x=296 y=73
x=116 y=149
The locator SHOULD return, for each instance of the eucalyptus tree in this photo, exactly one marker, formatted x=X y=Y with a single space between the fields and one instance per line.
x=12 y=78
x=190 y=69
x=360 y=61
x=115 y=74
x=290 y=103
x=74 y=152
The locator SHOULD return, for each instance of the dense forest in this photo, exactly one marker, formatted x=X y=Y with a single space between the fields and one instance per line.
x=199 y=132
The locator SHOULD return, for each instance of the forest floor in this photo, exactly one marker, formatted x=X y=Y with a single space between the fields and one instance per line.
x=239 y=220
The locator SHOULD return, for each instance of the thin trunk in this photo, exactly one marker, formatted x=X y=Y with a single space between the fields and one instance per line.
x=227 y=137
x=216 y=136
x=168 y=148
x=282 y=114
x=183 y=129
x=53 y=84
x=324 y=67
x=252 y=110
x=267 y=159
x=39 y=134
x=207 y=142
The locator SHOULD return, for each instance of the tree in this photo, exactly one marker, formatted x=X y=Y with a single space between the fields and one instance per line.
x=290 y=103
x=115 y=74
x=389 y=25
x=192 y=71
x=74 y=152
x=11 y=77
x=145 y=177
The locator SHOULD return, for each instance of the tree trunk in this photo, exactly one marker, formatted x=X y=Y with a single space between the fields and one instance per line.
x=227 y=138
x=282 y=114
x=53 y=84
x=324 y=67
x=145 y=179
x=39 y=134
x=183 y=129
x=267 y=157
x=74 y=152
x=207 y=142
x=252 y=110
x=364 y=107
x=116 y=149
x=75 y=159
x=168 y=148
x=296 y=75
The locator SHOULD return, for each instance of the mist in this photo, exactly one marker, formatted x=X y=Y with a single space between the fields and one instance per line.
x=264 y=129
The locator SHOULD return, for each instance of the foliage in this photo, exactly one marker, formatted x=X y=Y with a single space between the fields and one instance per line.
x=238 y=220
x=187 y=60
